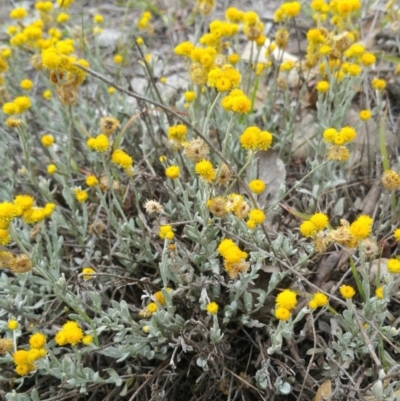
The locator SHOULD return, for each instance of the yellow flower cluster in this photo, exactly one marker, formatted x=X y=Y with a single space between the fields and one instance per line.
x=165 y=232
x=337 y=139
x=22 y=206
x=122 y=159
x=234 y=258
x=224 y=79
x=100 y=143
x=17 y=106
x=317 y=222
x=177 y=133
x=144 y=22
x=237 y=102
x=253 y=138
x=24 y=360
x=287 y=10
x=318 y=300
x=284 y=303
x=71 y=333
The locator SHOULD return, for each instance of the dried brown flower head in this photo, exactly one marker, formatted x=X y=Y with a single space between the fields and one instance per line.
x=369 y=247
x=153 y=207
x=21 y=264
x=391 y=180
x=217 y=206
x=97 y=227
x=6 y=259
x=108 y=125
x=6 y=344
x=224 y=175
x=196 y=150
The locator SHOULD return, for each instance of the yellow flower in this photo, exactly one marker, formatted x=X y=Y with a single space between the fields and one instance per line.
x=121 y=158
x=320 y=299
x=4 y=237
x=47 y=94
x=91 y=181
x=165 y=232
x=98 y=19
x=172 y=172
x=87 y=273
x=308 y=229
x=251 y=225
x=12 y=324
x=282 y=313
x=378 y=84
x=249 y=138
x=24 y=368
x=51 y=169
x=393 y=266
x=379 y=292
x=361 y=228
x=233 y=58
x=26 y=84
x=118 y=59
x=368 y=59
x=87 y=339
x=111 y=90
x=37 y=340
x=139 y=41
x=184 y=49
x=23 y=103
x=347 y=291
x=365 y=115
x=212 y=308
x=80 y=195
x=312 y=304
x=205 y=170
x=7 y=211
x=257 y=215
x=20 y=357
x=257 y=186
x=10 y=108
x=101 y=143
x=189 y=96
x=177 y=133
x=152 y=307
x=396 y=234
x=18 y=13
x=322 y=86
x=286 y=299
x=320 y=220
x=47 y=140
x=62 y=17
x=70 y=333
x=25 y=202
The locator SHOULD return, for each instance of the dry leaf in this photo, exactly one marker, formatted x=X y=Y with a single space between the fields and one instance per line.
x=324 y=392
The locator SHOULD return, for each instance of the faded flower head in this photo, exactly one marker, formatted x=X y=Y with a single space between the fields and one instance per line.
x=153 y=207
